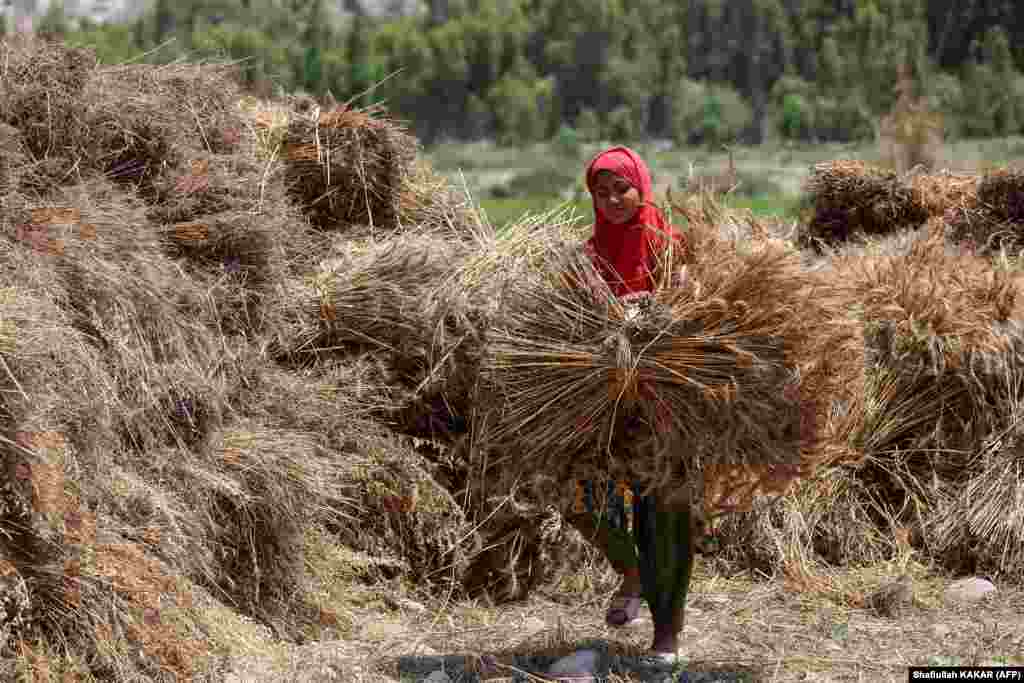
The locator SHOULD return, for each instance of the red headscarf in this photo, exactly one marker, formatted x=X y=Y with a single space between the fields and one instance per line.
x=624 y=253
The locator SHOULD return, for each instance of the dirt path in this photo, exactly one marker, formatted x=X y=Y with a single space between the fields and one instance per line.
x=737 y=630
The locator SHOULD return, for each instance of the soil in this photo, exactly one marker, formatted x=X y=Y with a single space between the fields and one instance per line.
x=737 y=630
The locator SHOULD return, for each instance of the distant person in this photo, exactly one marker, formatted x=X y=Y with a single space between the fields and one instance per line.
x=629 y=233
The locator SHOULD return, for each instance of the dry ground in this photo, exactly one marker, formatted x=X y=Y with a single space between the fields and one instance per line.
x=737 y=630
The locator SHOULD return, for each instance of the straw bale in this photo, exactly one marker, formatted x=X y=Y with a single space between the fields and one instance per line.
x=397 y=296
x=992 y=222
x=228 y=221
x=261 y=489
x=404 y=513
x=428 y=202
x=346 y=167
x=697 y=379
x=850 y=198
x=40 y=89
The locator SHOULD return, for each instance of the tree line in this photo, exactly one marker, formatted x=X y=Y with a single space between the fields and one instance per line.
x=695 y=71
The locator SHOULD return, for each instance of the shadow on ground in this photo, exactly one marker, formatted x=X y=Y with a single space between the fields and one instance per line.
x=612 y=667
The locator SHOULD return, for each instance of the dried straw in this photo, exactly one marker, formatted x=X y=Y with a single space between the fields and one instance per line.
x=229 y=222
x=263 y=488
x=710 y=362
x=428 y=202
x=404 y=513
x=992 y=222
x=41 y=84
x=394 y=296
x=346 y=167
x=850 y=198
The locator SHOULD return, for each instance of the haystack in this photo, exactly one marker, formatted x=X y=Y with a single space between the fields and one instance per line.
x=139 y=117
x=705 y=377
x=228 y=221
x=404 y=513
x=995 y=219
x=347 y=166
x=41 y=87
x=938 y=408
x=847 y=198
x=397 y=297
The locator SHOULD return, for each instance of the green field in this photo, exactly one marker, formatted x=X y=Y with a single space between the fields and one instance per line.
x=509 y=182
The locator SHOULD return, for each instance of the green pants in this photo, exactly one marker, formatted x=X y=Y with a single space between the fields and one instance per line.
x=660 y=545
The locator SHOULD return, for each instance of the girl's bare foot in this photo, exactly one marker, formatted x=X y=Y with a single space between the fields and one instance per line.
x=666 y=643
x=625 y=606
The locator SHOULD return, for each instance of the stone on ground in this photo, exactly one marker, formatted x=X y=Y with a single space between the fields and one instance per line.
x=973 y=589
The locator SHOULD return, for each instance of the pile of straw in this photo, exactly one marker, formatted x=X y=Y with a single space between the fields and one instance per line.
x=427 y=201
x=939 y=405
x=520 y=550
x=994 y=220
x=404 y=513
x=41 y=86
x=850 y=198
x=397 y=298
x=346 y=167
x=229 y=222
x=140 y=117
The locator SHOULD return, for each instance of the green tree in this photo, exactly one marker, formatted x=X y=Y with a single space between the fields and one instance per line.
x=519 y=102
x=54 y=22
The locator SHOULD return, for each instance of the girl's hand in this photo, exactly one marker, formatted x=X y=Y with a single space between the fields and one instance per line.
x=679 y=278
x=635 y=296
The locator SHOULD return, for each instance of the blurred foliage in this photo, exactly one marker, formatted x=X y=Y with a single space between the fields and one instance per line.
x=519 y=71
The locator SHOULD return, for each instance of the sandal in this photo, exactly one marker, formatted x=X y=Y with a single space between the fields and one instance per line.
x=623 y=610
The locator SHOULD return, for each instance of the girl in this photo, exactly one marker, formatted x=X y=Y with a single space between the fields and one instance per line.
x=629 y=232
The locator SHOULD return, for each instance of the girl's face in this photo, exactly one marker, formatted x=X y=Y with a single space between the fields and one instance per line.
x=615 y=198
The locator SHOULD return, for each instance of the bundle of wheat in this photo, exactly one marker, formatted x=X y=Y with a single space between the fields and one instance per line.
x=398 y=297
x=993 y=221
x=346 y=167
x=263 y=487
x=848 y=198
x=229 y=222
x=140 y=116
x=939 y=394
x=705 y=375
x=40 y=90
x=518 y=551
x=944 y=192
x=403 y=512
x=428 y=202
x=833 y=519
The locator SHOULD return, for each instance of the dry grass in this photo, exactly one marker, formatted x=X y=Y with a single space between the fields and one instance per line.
x=991 y=223
x=848 y=198
x=347 y=166
x=702 y=355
